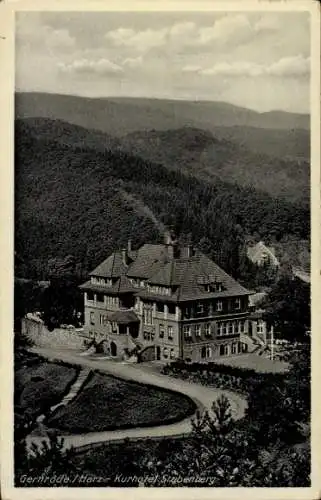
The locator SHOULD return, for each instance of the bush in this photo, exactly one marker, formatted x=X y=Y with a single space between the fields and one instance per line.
x=222 y=376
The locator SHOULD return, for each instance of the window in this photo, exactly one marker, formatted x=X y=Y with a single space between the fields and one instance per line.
x=226 y=350
x=171 y=309
x=198 y=330
x=148 y=315
x=165 y=352
x=206 y=352
x=222 y=329
x=199 y=308
x=160 y=307
x=260 y=326
x=170 y=332
x=241 y=326
x=187 y=332
x=90 y=296
x=234 y=348
x=161 y=331
x=208 y=330
x=237 y=304
x=230 y=328
x=92 y=318
x=100 y=297
x=187 y=313
x=219 y=305
x=114 y=327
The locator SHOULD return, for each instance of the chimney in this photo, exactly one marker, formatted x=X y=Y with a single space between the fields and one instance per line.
x=124 y=256
x=190 y=251
x=129 y=246
x=171 y=244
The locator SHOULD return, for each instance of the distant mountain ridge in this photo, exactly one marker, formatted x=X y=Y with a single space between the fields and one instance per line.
x=119 y=116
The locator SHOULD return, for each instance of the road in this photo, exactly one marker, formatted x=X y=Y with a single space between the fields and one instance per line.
x=203 y=397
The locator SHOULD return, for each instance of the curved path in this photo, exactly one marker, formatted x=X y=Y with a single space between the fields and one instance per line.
x=202 y=395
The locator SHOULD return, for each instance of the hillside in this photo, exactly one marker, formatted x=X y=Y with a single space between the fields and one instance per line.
x=192 y=151
x=212 y=157
x=275 y=133
x=85 y=202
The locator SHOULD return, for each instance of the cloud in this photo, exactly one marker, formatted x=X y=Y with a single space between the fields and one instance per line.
x=286 y=67
x=191 y=69
x=230 y=27
x=291 y=66
x=99 y=67
x=30 y=32
x=182 y=29
x=140 y=40
x=133 y=62
x=239 y=68
x=268 y=23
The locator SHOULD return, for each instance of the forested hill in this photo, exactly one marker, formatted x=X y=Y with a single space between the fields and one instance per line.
x=85 y=202
x=201 y=153
x=211 y=156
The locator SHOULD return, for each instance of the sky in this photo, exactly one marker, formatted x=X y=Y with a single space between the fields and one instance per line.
x=257 y=60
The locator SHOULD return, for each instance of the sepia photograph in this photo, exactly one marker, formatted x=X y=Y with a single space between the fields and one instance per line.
x=162 y=249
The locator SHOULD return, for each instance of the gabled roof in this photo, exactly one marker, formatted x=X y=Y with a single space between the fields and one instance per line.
x=148 y=260
x=123 y=317
x=124 y=285
x=112 y=267
x=257 y=298
x=186 y=274
x=256 y=252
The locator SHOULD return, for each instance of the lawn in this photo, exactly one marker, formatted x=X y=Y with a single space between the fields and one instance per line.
x=255 y=362
x=41 y=385
x=107 y=403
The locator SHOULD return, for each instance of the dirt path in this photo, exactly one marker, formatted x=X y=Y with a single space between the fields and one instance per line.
x=203 y=396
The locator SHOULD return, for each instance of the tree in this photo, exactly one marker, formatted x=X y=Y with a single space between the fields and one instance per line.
x=50 y=456
x=287 y=307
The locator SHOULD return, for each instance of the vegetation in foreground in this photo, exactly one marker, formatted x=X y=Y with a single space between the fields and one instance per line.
x=270 y=447
x=107 y=403
x=40 y=384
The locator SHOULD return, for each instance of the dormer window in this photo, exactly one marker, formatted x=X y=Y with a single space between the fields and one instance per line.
x=211 y=285
x=219 y=305
x=237 y=303
x=158 y=290
x=200 y=308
